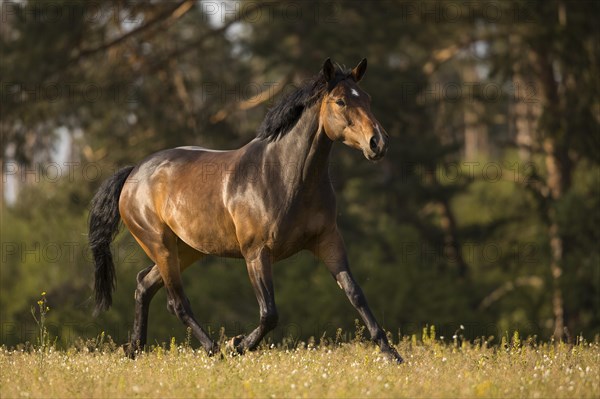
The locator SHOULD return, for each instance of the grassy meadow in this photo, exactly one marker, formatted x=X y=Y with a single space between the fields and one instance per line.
x=432 y=368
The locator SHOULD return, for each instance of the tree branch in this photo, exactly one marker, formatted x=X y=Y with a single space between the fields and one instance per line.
x=173 y=12
x=215 y=32
x=441 y=56
x=252 y=102
x=532 y=281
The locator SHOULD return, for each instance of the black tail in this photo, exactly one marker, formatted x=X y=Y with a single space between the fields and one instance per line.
x=103 y=226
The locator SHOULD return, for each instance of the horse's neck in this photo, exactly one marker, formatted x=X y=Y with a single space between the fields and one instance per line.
x=304 y=151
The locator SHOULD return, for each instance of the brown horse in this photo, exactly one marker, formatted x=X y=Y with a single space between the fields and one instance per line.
x=263 y=202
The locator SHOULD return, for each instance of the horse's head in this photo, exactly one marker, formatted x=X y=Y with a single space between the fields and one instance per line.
x=346 y=112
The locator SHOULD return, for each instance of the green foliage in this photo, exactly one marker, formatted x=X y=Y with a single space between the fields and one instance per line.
x=39 y=316
x=432 y=235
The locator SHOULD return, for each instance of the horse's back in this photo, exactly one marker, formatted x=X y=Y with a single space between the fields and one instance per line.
x=197 y=148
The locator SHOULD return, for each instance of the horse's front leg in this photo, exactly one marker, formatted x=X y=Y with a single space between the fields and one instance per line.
x=259 y=270
x=330 y=249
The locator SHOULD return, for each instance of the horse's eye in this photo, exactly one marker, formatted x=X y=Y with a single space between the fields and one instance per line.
x=340 y=102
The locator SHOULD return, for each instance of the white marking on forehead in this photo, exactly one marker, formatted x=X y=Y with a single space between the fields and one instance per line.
x=354 y=92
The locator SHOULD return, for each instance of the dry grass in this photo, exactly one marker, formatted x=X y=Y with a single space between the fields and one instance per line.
x=432 y=369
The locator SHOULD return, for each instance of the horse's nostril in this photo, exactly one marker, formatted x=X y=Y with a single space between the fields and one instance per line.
x=373 y=143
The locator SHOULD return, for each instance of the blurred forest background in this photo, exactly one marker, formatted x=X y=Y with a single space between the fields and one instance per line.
x=484 y=213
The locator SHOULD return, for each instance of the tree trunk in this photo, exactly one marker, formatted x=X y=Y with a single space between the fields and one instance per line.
x=476 y=134
x=554 y=183
x=525 y=107
x=558 y=174
x=452 y=247
x=552 y=126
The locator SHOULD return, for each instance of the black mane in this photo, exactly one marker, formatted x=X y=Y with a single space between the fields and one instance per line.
x=286 y=112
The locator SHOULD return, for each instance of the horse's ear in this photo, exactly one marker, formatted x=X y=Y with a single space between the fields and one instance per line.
x=328 y=70
x=359 y=70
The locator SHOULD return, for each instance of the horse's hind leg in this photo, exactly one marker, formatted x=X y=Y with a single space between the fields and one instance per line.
x=168 y=262
x=180 y=304
x=149 y=281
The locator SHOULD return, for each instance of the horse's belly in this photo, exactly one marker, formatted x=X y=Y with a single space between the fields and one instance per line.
x=211 y=234
x=213 y=245
x=198 y=218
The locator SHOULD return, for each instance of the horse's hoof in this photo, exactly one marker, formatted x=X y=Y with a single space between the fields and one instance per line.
x=234 y=345
x=215 y=351
x=393 y=356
